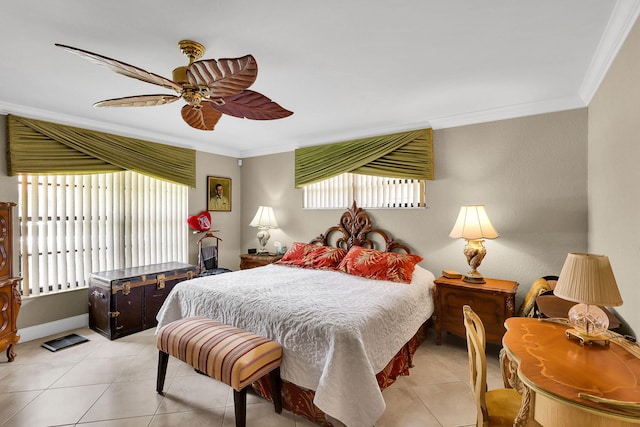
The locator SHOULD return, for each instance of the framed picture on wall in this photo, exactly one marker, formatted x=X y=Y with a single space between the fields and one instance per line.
x=218 y=194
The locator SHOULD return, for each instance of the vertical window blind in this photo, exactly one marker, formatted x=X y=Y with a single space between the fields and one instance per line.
x=368 y=191
x=73 y=225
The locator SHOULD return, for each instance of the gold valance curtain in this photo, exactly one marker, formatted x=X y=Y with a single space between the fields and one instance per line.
x=400 y=155
x=38 y=147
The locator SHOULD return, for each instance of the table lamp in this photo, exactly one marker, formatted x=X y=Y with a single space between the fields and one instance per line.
x=588 y=280
x=473 y=225
x=264 y=220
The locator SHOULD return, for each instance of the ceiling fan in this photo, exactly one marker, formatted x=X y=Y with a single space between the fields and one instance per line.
x=210 y=87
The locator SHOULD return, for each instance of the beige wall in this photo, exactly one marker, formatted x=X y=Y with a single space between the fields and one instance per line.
x=227 y=222
x=531 y=173
x=614 y=173
x=8 y=185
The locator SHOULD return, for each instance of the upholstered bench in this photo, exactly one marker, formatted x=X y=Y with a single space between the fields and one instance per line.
x=225 y=353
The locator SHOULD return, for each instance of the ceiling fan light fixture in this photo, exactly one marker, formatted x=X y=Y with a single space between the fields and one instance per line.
x=192 y=97
x=192 y=50
x=210 y=87
x=180 y=75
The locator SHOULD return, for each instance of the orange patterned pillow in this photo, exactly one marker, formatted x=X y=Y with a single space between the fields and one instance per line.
x=306 y=255
x=295 y=252
x=327 y=256
x=377 y=265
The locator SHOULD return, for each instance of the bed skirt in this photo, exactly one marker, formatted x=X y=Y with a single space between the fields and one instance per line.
x=300 y=400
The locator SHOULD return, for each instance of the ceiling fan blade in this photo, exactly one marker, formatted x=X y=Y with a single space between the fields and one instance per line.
x=202 y=117
x=224 y=77
x=138 y=101
x=124 y=68
x=251 y=105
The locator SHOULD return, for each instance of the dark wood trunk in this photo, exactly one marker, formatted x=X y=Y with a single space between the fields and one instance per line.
x=125 y=301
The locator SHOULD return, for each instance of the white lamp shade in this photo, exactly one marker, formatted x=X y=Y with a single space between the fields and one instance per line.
x=473 y=223
x=588 y=279
x=264 y=218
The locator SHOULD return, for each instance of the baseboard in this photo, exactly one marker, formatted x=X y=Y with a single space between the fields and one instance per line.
x=58 y=326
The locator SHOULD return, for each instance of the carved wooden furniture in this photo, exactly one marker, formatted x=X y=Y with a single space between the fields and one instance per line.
x=255 y=260
x=125 y=301
x=10 y=299
x=355 y=229
x=493 y=301
x=558 y=378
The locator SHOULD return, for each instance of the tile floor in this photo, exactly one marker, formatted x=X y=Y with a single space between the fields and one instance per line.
x=104 y=383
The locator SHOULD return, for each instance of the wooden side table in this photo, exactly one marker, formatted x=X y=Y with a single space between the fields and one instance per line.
x=254 y=260
x=493 y=301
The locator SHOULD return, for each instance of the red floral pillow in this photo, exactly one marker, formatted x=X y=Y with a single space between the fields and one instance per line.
x=327 y=257
x=306 y=255
x=377 y=265
x=296 y=252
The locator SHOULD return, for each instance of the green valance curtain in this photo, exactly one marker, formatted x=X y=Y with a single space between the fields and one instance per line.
x=400 y=155
x=38 y=147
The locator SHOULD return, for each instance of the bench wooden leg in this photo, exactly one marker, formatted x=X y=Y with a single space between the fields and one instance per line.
x=240 y=406
x=276 y=386
x=163 y=361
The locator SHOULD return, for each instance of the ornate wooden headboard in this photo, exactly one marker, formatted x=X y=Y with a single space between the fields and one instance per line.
x=356 y=228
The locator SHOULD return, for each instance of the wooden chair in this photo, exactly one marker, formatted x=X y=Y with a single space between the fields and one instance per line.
x=497 y=407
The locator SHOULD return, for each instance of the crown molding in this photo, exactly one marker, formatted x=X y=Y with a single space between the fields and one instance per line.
x=37 y=114
x=509 y=112
x=621 y=21
x=496 y=114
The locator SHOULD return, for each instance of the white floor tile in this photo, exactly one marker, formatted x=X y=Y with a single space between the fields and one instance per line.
x=104 y=383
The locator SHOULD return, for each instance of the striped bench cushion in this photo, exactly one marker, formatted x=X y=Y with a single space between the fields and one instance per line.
x=226 y=353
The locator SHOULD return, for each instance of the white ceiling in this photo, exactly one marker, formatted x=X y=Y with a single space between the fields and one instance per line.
x=346 y=68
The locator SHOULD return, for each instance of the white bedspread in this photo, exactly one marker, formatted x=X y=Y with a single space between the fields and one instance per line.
x=337 y=330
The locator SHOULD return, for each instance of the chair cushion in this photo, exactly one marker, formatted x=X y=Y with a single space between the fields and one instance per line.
x=228 y=354
x=503 y=405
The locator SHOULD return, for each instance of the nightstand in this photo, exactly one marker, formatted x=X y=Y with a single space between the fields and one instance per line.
x=254 y=260
x=493 y=301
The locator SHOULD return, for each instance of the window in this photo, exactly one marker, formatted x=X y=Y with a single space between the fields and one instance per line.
x=368 y=192
x=73 y=225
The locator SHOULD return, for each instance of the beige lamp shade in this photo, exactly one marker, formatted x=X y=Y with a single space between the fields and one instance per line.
x=588 y=279
x=473 y=223
x=264 y=218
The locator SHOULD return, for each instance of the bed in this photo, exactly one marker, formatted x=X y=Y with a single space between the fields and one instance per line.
x=349 y=313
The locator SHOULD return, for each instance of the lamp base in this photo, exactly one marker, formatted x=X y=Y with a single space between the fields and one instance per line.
x=263 y=237
x=474 y=279
x=586 y=339
x=589 y=323
x=475 y=251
